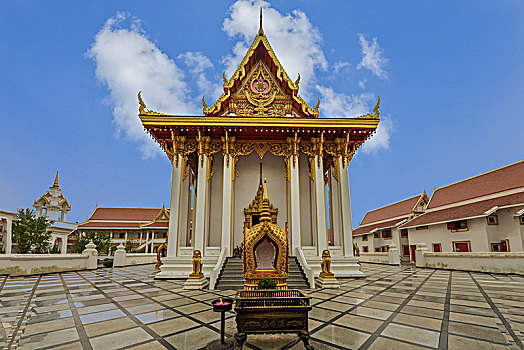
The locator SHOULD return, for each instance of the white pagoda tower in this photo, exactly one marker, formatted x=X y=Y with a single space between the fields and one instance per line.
x=54 y=207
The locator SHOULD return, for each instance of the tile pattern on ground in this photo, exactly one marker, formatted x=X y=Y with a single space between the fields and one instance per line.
x=393 y=307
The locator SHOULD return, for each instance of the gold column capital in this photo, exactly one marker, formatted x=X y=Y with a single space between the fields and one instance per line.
x=294 y=147
x=228 y=146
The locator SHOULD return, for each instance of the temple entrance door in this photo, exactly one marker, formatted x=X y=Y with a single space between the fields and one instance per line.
x=413 y=247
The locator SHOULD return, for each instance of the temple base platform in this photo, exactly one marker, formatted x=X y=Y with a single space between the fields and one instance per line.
x=196 y=283
x=327 y=282
x=341 y=266
x=180 y=267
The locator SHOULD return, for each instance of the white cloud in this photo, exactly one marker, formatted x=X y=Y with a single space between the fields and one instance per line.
x=127 y=62
x=335 y=104
x=294 y=39
x=362 y=83
x=372 y=58
x=380 y=140
x=197 y=65
x=341 y=66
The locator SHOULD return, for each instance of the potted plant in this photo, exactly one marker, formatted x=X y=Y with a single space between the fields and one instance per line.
x=237 y=252
x=267 y=283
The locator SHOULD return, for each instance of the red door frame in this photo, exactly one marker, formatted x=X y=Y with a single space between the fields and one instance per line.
x=413 y=247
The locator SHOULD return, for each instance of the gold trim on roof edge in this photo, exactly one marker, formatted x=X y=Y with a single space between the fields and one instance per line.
x=241 y=73
x=203 y=121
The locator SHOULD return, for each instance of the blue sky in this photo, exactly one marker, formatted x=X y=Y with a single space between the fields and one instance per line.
x=449 y=75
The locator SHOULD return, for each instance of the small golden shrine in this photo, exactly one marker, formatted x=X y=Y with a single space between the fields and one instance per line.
x=253 y=212
x=265 y=250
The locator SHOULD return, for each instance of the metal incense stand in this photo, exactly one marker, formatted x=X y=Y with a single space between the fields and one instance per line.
x=227 y=305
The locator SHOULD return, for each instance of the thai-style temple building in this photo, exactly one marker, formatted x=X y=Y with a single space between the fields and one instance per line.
x=260 y=126
x=147 y=227
x=54 y=207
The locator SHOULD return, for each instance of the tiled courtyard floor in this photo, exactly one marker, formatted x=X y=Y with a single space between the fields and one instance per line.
x=393 y=308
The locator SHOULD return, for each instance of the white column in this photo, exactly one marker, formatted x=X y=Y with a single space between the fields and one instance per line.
x=334 y=187
x=176 y=182
x=345 y=206
x=294 y=204
x=64 y=245
x=320 y=195
x=201 y=203
x=227 y=203
x=9 y=236
x=183 y=211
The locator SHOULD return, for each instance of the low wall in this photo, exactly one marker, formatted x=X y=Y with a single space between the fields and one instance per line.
x=481 y=262
x=140 y=258
x=33 y=264
x=378 y=257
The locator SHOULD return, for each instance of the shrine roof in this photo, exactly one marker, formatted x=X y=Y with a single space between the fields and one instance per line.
x=508 y=177
x=259 y=103
x=261 y=52
x=466 y=211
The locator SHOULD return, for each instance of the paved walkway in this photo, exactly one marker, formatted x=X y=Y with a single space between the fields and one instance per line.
x=392 y=308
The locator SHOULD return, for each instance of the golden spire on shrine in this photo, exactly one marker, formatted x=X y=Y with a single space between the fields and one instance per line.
x=265 y=215
x=55 y=184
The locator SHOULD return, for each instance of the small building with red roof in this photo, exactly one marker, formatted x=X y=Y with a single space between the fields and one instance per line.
x=146 y=226
x=483 y=213
x=380 y=227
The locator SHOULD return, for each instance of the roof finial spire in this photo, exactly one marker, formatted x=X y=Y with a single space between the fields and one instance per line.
x=56 y=180
x=260 y=30
x=265 y=214
x=260 y=183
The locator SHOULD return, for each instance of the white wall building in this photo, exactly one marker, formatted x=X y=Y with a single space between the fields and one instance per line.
x=483 y=213
x=145 y=226
x=6 y=229
x=380 y=227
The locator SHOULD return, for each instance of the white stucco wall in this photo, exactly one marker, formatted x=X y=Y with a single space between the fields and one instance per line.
x=140 y=258
x=507 y=228
x=305 y=202
x=476 y=235
x=483 y=262
x=215 y=225
x=381 y=257
x=32 y=264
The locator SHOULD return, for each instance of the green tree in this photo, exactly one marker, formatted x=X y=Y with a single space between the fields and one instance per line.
x=102 y=240
x=30 y=233
x=131 y=245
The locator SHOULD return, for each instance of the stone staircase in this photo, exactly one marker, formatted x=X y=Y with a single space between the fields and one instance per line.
x=231 y=275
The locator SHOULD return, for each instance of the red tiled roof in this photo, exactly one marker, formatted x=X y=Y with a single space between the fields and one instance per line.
x=382 y=225
x=465 y=211
x=518 y=209
x=497 y=180
x=98 y=224
x=125 y=214
x=402 y=208
x=163 y=224
x=121 y=217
